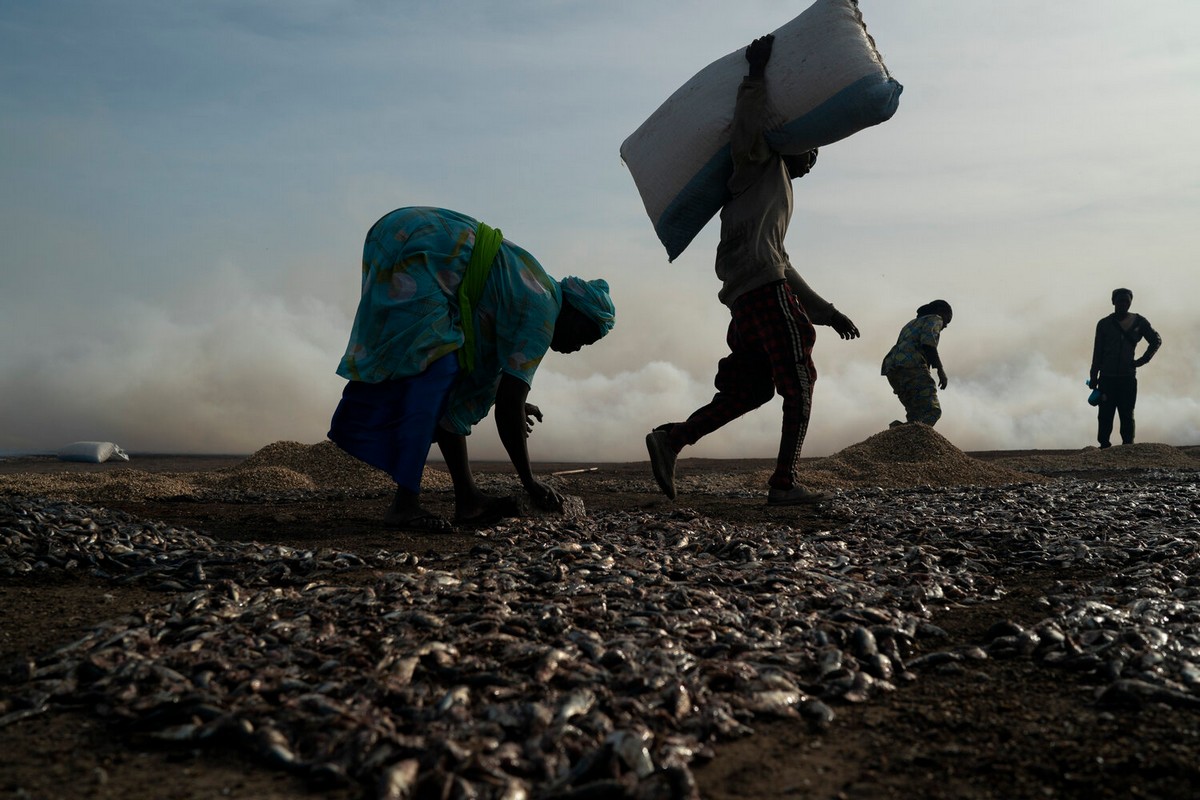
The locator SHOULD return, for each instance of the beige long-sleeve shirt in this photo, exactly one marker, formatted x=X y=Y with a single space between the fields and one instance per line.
x=755 y=219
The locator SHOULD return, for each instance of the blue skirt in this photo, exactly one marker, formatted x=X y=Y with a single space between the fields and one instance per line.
x=391 y=424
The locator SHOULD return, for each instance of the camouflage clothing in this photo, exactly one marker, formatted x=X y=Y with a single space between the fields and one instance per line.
x=918 y=392
x=907 y=368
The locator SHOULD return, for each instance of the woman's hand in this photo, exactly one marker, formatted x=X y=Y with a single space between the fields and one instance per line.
x=546 y=497
x=943 y=382
x=532 y=413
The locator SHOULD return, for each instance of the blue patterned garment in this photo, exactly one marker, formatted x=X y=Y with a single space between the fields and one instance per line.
x=407 y=318
x=906 y=353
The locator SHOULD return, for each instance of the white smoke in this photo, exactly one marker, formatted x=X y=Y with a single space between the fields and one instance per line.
x=180 y=266
x=232 y=367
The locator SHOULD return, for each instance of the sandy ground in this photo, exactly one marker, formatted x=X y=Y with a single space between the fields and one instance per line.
x=1003 y=729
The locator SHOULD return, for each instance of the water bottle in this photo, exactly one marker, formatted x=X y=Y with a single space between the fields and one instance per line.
x=1095 y=398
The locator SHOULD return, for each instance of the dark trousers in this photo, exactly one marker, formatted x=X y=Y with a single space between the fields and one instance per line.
x=1119 y=395
x=770 y=349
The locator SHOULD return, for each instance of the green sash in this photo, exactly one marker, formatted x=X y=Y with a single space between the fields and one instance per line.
x=487 y=245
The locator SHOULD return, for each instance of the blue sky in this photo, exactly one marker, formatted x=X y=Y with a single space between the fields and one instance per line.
x=184 y=188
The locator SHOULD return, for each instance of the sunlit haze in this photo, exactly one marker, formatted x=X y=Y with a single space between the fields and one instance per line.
x=185 y=187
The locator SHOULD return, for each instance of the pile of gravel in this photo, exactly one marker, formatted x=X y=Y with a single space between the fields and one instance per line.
x=327 y=466
x=264 y=479
x=118 y=485
x=323 y=465
x=1124 y=457
x=908 y=455
x=279 y=469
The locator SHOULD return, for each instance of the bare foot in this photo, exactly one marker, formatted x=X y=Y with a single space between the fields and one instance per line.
x=415 y=518
x=485 y=510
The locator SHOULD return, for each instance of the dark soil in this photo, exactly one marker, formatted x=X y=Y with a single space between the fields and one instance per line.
x=986 y=729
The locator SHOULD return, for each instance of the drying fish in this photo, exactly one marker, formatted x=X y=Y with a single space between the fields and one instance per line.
x=569 y=657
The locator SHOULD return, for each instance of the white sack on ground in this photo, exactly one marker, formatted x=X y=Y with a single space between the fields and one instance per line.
x=93 y=452
x=827 y=81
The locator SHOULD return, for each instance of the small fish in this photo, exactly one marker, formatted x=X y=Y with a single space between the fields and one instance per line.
x=399 y=781
x=576 y=703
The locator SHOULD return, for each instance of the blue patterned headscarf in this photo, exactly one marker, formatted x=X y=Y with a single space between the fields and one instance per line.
x=592 y=299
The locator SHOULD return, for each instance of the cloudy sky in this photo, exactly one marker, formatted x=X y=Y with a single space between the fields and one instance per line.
x=184 y=189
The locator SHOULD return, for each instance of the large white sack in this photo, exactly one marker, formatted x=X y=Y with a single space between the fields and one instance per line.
x=94 y=452
x=826 y=81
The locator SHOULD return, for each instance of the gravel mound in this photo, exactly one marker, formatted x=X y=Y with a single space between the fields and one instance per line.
x=98 y=487
x=279 y=469
x=1133 y=456
x=909 y=455
x=330 y=467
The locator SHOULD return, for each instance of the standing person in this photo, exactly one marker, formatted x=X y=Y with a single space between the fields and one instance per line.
x=453 y=318
x=773 y=310
x=908 y=363
x=1114 y=368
